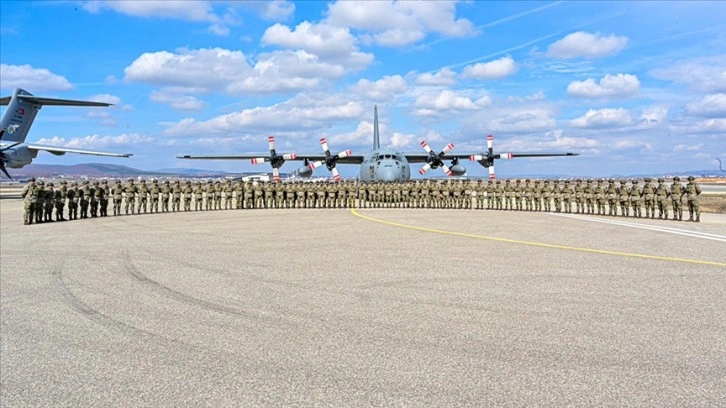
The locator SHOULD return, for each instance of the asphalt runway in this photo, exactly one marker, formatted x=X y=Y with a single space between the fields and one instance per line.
x=382 y=307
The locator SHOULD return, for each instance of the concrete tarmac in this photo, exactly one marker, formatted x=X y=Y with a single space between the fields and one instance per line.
x=378 y=307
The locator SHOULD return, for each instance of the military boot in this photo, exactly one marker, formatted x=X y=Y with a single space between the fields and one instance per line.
x=698 y=218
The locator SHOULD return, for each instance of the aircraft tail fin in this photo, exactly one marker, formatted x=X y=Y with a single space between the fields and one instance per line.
x=22 y=109
x=376 y=138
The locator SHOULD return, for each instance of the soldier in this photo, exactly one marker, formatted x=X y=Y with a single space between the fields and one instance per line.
x=74 y=198
x=117 y=192
x=40 y=201
x=155 y=193
x=289 y=188
x=528 y=195
x=95 y=199
x=518 y=195
x=30 y=198
x=649 y=199
x=498 y=195
x=692 y=191
x=143 y=198
x=508 y=195
x=209 y=195
x=103 y=199
x=188 y=191
x=546 y=195
x=567 y=195
x=676 y=193
x=579 y=196
x=165 y=195
x=199 y=196
x=176 y=194
x=60 y=200
x=218 y=195
x=612 y=194
x=661 y=194
x=537 y=196
x=49 y=202
x=228 y=195
x=259 y=195
x=320 y=193
x=600 y=197
x=130 y=196
x=86 y=195
x=589 y=195
x=635 y=194
x=557 y=196
x=279 y=195
x=624 y=199
x=490 y=194
x=239 y=189
x=300 y=199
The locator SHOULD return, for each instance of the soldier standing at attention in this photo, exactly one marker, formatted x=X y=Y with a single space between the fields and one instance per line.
x=498 y=195
x=567 y=195
x=624 y=199
x=279 y=195
x=40 y=201
x=155 y=192
x=188 y=191
x=74 y=198
x=130 y=191
x=490 y=194
x=30 y=198
x=60 y=200
x=508 y=192
x=86 y=195
x=518 y=194
x=103 y=203
x=612 y=194
x=692 y=191
x=599 y=193
x=662 y=193
x=117 y=192
x=165 y=194
x=579 y=196
x=546 y=196
x=557 y=194
x=95 y=198
x=229 y=191
x=537 y=196
x=199 y=196
x=218 y=195
x=635 y=194
x=649 y=199
x=49 y=202
x=143 y=198
x=176 y=193
x=209 y=195
x=589 y=194
x=676 y=194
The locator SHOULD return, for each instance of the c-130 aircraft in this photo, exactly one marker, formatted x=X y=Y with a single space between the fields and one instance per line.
x=379 y=164
x=16 y=122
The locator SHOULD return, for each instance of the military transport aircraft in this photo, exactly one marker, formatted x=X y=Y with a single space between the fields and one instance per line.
x=16 y=122
x=379 y=164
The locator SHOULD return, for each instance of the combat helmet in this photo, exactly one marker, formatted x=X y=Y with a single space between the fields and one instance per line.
x=661 y=180
x=691 y=178
x=676 y=178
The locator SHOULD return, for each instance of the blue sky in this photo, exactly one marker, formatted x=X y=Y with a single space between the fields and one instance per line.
x=634 y=87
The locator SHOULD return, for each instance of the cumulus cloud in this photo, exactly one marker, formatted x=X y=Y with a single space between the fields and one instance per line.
x=96 y=141
x=707 y=74
x=603 y=118
x=382 y=89
x=106 y=98
x=444 y=77
x=218 y=69
x=716 y=125
x=582 y=44
x=497 y=69
x=709 y=106
x=34 y=79
x=443 y=101
x=176 y=100
x=609 y=86
x=524 y=120
x=401 y=22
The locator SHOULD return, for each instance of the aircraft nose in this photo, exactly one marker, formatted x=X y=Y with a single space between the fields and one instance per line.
x=387 y=173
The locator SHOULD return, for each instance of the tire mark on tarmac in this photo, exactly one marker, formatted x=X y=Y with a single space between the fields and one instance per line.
x=539 y=244
x=201 y=303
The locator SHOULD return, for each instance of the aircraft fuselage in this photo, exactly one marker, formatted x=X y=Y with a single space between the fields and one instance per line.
x=384 y=165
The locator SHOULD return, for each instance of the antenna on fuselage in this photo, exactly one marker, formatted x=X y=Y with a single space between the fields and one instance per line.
x=376 y=139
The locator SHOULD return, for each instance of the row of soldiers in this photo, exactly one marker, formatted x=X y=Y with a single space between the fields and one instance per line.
x=592 y=197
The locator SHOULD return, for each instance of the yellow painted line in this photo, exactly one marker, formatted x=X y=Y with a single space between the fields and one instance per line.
x=539 y=244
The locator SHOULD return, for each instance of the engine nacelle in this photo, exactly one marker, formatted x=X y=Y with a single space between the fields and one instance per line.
x=457 y=170
x=17 y=157
x=305 y=171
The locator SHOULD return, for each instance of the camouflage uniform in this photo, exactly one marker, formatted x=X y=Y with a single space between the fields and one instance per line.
x=86 y=195
x=518 y=195
x=143 y=197
x=93 y=200
x=74 y=198
x=155 y=192
x=624 y=199
x=209 y=195
x=30 y=198
x=199 y=196
x=567 y=195
x=508 y=195
x=649 y=199
x=165 y=195
x=635 y=194
x=600 y=197
x=661 y=194
x=188 y=191
x=49 y=202
x=228 y=192
x=676 y=194
x=692 y=191
x=130 y=197
x=498 y=196
x=103 y=198
x=117 y=192
x=546 y=196
x=612 y=194
x=60 y=200
x=579 y=196
x=176 y=195
x=589 y=195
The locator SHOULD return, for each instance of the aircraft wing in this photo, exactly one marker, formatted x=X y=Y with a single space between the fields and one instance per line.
x=421 y=157
x=52 y=101
x=59 y=151
x=352 y=159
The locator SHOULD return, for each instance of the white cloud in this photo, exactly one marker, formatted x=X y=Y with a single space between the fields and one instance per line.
x=524 y=120
x=444 y=77
x=177 y=100
x=553 y=140
x=383 y=89
x=706 y=74
x=497 y=69
x=582 y=44
x=106 y=98
x=603 y=118
x=97 y=141
x=717 y=125
x=630 y=144
x=31 y=79
x=277 y=10
x=535 y=97
x=400 y=140
x=709 y=106
x=446 y=100
x=401 y=22
x=608 y=86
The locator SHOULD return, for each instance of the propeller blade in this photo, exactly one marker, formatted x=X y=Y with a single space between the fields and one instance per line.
x=491 y=172
x=2 y=167
x=276 y=174
x=344 y=154
x=425 y=147
x=490 y=142
x=271 y=142
x=447 y=149
x=259 y=160
x=424 y=169
x=289 y=156
x=336 y=176
x=506 y=156
x=446 y=170
x=315 y=165
x=324 y=144
x=476 y=157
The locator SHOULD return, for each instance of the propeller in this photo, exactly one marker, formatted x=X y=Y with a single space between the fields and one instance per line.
x=2 y=154
x=488 y=159
x=330 y=160
x=434 y=161
x=275 y=160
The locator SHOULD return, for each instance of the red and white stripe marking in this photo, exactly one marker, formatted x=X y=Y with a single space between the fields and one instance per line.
x=425 y=147
x=324 y=144
x=258 y=160
x=506 y=156
x=448 y=148
x=490 y=141
x=271 y=142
